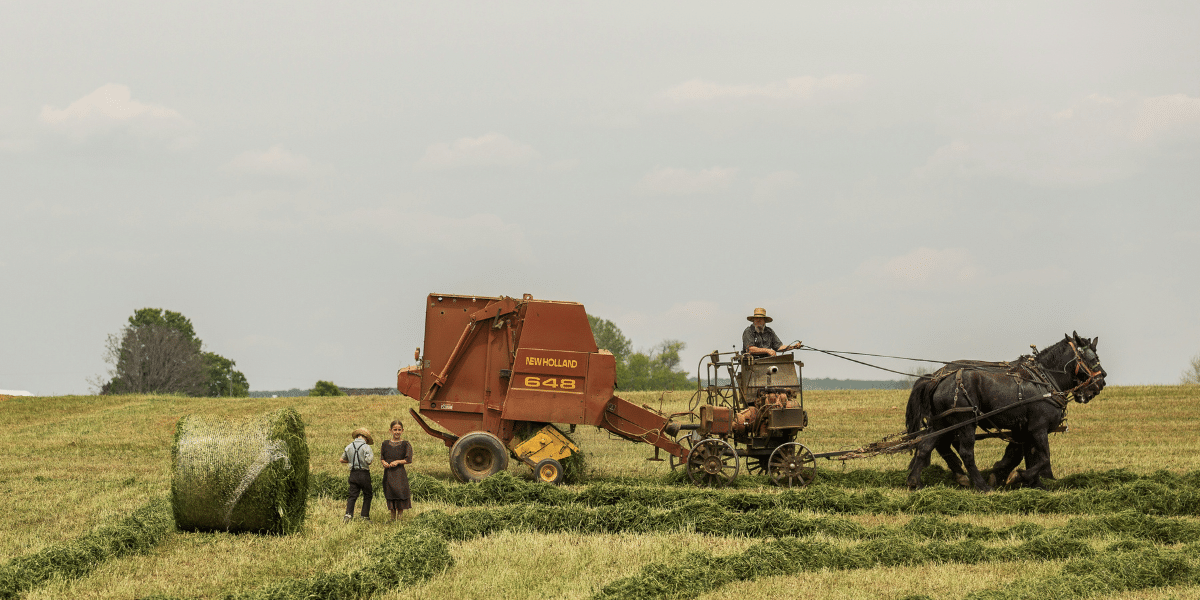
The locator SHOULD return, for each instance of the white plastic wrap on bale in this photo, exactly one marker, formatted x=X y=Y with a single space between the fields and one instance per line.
x=249 y=475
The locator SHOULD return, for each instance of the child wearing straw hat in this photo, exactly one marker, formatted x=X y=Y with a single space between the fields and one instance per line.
x=359 y=456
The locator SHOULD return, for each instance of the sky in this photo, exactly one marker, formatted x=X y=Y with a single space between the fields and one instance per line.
x=939 y=180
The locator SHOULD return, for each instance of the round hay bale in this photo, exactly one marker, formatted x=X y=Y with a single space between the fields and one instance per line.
x=240 y=476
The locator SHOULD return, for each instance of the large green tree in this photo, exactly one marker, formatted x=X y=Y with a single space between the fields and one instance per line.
x=146 y=317
x=609 y=337
x=158 y=351
x=223 y=380
x=153 y=359
x=655 y=369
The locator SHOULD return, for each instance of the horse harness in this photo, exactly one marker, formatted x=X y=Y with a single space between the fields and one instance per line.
x=1025 y=369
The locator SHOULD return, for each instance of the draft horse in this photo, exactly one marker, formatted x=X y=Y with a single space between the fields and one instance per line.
x=1026 y=398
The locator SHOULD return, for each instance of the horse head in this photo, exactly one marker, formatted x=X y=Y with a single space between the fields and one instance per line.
x=1085 y=367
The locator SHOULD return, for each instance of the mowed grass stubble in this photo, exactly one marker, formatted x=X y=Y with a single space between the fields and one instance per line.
x=71 y=463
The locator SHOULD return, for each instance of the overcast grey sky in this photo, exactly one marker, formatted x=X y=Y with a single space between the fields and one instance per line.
x=935 y=179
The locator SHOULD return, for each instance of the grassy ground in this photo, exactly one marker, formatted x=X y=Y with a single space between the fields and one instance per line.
x=68 y=464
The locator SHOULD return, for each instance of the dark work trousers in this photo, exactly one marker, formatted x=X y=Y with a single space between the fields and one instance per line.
x=360 y=480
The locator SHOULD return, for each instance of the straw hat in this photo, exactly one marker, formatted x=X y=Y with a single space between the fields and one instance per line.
x=363 y=432
x=760 y=312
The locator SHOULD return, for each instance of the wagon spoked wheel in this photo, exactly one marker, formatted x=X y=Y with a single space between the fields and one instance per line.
x=712 y=463
x=756 y=465
x=792 y=465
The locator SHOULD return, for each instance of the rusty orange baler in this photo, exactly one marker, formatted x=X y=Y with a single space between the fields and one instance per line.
x=494 y=366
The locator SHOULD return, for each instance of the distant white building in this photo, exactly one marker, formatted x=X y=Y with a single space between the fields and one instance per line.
x=14 y=393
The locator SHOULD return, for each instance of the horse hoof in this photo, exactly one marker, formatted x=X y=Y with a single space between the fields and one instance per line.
x=992 y=480
x=1014 y=476
x=963 y=480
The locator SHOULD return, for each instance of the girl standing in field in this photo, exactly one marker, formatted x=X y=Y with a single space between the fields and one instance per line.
x=394 y=454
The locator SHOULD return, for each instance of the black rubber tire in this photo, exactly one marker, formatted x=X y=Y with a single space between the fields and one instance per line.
x=477 y=456
x=549 y=471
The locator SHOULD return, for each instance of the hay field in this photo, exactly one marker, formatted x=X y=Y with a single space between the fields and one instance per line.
x=69 y=465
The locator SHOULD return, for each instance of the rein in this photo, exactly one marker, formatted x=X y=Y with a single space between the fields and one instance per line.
x=1026 y=361
x=839 y=353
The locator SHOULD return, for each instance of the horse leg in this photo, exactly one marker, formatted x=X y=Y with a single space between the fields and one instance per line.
x=966 y=450
x=1031 y=457
x=919 y=461
x=945 y=449
x=1039 y=451
x=1013 y=453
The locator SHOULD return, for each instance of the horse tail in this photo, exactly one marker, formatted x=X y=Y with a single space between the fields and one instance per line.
x=918 y=410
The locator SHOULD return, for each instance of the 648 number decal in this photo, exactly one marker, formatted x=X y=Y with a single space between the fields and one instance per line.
x=549 y=383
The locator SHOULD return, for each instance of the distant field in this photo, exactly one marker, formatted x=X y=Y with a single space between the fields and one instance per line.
x=69 y=464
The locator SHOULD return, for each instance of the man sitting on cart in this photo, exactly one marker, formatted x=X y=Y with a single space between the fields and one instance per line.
x=760 y=340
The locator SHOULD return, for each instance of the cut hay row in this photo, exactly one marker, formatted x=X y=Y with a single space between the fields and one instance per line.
x=324 y=484
x=710 y=519
x=1114 y=569
x=136 y=534
x=898 y=479
x=407 y=558
x=1143 y=495
x=1109 y=573
x=934 y=476
x=420 y=551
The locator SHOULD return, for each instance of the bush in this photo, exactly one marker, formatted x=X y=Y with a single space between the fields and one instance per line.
x=326 y=388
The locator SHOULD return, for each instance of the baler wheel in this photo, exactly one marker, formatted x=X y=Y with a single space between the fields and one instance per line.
x=792 y=465
x=477 y=456
x=549 y=471
x=712 y=462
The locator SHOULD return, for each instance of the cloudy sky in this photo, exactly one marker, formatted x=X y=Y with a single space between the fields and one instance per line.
x=935 y=179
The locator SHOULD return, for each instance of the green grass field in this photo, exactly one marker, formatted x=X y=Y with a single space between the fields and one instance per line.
x=71 y=464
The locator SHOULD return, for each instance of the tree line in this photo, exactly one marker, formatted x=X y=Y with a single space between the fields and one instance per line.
x=158 y=352
x=654 y=369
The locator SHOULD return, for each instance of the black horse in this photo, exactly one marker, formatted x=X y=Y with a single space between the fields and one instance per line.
x=1030 y=394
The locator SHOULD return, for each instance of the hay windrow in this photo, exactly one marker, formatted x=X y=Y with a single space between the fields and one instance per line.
x=1174 y=498
x=1103 y=574
x=409 y=557
x=240 y=476
x=792 y=544
x=703 y=572
x=136 y=534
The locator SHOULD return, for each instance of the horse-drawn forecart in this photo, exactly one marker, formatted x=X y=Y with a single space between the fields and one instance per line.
x=760 y=407
x=501 y=375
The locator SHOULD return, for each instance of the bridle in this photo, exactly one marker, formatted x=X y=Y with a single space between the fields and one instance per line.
x=1093 y=372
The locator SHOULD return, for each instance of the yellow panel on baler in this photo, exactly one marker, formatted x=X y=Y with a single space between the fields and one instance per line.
x=547 y=443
